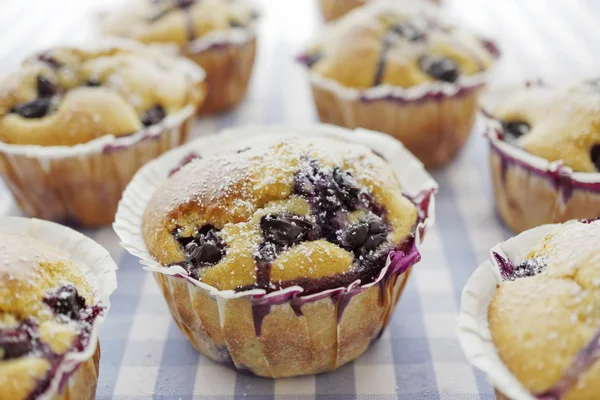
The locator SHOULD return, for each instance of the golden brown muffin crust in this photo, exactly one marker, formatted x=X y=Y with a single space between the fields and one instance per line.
x=68 y=96
x=564 y=124
x=388 y=43
x=236 y=192
x=30 y=270
x=178 y=21
x=540 y=323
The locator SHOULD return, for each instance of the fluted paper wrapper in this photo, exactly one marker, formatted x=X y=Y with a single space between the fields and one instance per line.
x=281 y=333
x=82 y=184
x=76 y=377
x=473 y=327
x=532 y=191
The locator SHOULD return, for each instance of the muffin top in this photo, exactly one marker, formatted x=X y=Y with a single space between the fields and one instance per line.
x=398 y=43
x=556 y=123
x=67 y=96
x=46 y=310
x=549 y=310
x=313 y=212
x=178 y=21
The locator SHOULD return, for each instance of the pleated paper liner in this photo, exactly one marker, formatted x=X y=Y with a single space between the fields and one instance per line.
x=282 y=333
x=76 y=376
x=532 y=191
x=228 y=60
x=82 y=184
x=473 y=326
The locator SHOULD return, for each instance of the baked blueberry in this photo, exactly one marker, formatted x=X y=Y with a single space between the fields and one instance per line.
x=153 y=115
x=66 y=301
x=595 y=155
x=37 y=108
x=440 y=68
x=513 y=130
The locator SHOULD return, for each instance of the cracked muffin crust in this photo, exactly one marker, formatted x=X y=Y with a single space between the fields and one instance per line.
x=216 y=34
x=46 y=313
x=310 y=212
x=545 y=317
x=69 y=96
x=398 y=67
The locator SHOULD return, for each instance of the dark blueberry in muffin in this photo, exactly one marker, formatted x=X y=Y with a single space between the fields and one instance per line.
x=285 y=230
x=92 y=83
x=513 y=130
x=312 y=59
x=205 y=249
x=529 y=267
x=347 y=188
x=595 y=154
x=408 y=31
x=440 y=68
x=153 y=115
x=34 y=109
x=45 y=88
x=15 y=343
x=365 y=236
x=236 y=24
x=66 y=301
x=50 y=60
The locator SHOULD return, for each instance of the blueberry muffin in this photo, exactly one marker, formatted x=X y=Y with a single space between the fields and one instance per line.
x=216 y=34
x=545 y=154
x=296 y=235
x=47 y=316
x=398 y=68
x=333 y=9
x=545 y=317
x=76 y=123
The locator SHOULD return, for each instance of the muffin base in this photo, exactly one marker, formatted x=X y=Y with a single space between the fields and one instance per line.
x=81 y=189
x=82 y=384
x=433 y=128
x=228 y=70
x=285 y=339
x=525 y=199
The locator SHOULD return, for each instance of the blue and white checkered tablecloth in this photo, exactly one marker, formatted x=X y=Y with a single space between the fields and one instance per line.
x=144 y=356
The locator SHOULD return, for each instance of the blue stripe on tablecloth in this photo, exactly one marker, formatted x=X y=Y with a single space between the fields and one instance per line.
x=177 y=374
x=130 y=275
x=456 y=245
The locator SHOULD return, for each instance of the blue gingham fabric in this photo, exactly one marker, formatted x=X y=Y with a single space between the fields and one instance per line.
x=144 y=356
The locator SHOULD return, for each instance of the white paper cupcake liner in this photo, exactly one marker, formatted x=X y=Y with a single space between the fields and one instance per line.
x=98 y=268
x=473 y=326
x=187 y=296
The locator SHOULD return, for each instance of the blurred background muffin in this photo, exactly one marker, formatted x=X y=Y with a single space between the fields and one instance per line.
x=216 y=34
